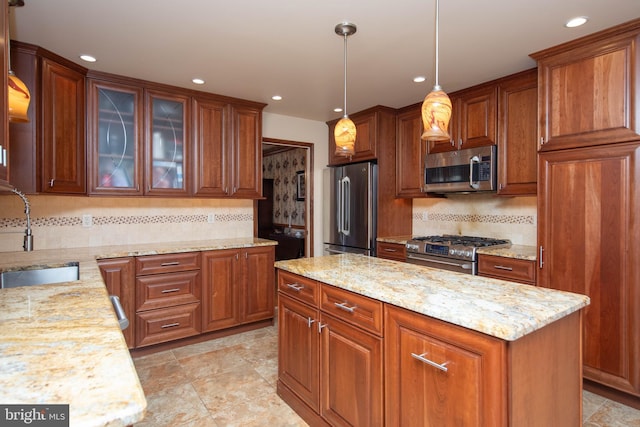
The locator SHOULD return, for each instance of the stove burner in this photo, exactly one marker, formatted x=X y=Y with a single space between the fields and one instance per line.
x=453 y=246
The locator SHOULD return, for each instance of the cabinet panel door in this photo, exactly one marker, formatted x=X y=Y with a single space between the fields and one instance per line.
x=478 y=118
x=587 y=94
x=119 y=277
x=299 y=349
x=589 y=231
x=167 y=143
x=220 y=289
x=4 y=124
x=259 y=284
x=351 y=375
x=212 y=150
x=410 y=156
x=115 y=138
x=246 y=168
x=63 y=106
x=472 y=390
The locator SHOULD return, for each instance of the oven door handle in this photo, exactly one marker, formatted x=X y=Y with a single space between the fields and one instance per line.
x=476 y=160
x=466 y=266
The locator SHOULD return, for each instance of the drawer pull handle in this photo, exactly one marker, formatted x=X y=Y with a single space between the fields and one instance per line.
x=170 y=325
x=168 y=291
x=390 y=250
x=343 y=306
x=295 y=286
x=168 y=264
x=502 y=267
x=420 y=357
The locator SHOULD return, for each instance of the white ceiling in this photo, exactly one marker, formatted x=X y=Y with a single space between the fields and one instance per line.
x=254 y=49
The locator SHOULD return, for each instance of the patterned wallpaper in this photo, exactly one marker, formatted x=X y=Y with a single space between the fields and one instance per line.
x=283 y=168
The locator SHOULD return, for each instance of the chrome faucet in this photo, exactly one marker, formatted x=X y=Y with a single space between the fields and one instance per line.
x=28 y=236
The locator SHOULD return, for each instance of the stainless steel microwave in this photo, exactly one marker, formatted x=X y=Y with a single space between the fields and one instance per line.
x=463 y=171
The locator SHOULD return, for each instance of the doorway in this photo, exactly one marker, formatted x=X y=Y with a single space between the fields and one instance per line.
x=286 y=213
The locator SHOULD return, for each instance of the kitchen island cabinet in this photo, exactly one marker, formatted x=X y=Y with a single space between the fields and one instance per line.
x=119 y=275
x=488 y=331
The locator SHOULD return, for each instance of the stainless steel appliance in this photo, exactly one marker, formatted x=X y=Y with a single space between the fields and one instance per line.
x=450 y=252
x=462 y=171
x=351 y=212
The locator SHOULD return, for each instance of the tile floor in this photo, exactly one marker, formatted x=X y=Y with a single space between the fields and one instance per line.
x=231 y=381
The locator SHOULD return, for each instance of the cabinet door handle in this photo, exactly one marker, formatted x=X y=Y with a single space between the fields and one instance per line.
x=168 y=291
x=540 y=257
x=170 y=325
x=51 y=181
x=343 y=306
x=310 y=321
x=295 y=286
x=321 y=327
x=169 y=264
x=420 y=357
x=502 y=267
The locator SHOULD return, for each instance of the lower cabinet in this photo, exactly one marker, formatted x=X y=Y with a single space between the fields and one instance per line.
x=512 y=269
x=238 y=286
x=331 y=367
x=393 y=251
x=348 y=360
x=119 y=277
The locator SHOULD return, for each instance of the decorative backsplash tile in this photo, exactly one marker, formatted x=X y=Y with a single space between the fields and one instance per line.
x=495 y=218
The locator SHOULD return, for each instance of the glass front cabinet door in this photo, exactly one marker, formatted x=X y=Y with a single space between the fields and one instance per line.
x=115 y=126
x=166 y=142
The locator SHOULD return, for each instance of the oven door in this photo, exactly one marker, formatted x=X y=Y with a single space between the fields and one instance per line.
x=457 y=265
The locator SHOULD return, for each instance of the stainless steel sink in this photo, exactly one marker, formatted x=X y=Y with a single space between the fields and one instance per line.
x=39 y=276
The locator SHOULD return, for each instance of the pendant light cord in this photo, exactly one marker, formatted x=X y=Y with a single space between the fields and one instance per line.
x=437 y=86
x=345 y=76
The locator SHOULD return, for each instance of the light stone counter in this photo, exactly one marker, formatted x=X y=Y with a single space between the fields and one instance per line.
x=499 y=308
x=61 y=343
x=525 y=252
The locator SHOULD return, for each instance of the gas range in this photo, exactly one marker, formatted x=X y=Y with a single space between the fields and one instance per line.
x=451 y=252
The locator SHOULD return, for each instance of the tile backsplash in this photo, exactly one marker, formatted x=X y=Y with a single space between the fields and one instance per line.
x=513 y=218
x=57 y=221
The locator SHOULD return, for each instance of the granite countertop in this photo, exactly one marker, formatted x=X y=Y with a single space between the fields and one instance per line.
x=62 y=344
x=400 y=240
x=529 y=253
x=502 y=309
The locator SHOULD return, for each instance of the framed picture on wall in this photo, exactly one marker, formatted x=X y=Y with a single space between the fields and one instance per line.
x=300 y=186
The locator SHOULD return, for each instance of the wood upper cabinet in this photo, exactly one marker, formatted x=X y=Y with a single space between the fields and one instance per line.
x=238 y=286
x=371 y=130
x=4 y=124
x=167 y=143
x=228 y=155
x=588 y=231
x=115 y=135
x=473 y=122
x=517 y=134
x=119 y=276
x=411 y=152
x=588 y=89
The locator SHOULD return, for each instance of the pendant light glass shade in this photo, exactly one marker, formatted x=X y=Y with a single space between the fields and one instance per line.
x=436 y=113
x=436 y=108
x=345 y=131
x=345 y=137
x=19 y=98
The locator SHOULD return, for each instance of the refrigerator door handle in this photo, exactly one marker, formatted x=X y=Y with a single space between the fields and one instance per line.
x=346 y=206
x=339 y=198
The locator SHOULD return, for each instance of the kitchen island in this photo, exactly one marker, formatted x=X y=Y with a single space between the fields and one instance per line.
x=62 y=344
x=452 y=348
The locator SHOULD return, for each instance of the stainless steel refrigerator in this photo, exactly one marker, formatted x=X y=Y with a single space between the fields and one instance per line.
x=350 y=212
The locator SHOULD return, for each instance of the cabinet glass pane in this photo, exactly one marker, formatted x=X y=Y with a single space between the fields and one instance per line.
x=116 y=141
x=167 y=137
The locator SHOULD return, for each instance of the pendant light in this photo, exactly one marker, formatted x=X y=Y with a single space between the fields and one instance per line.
x=436 y=108
x=345 y=130
x=18 y=94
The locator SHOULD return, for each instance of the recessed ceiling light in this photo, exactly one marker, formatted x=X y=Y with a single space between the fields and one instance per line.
x=419 y=79
x=276 y=97
x=198 y=81
x=338 y=110
x=576 y=22
x=88 y=58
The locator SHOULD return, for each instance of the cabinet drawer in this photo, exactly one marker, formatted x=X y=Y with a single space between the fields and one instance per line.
x=167 y=263
x=299 y=287
x=393 y=251
x=355 y=309
x=166 y=290
x=167 y=324
x=516 y=270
